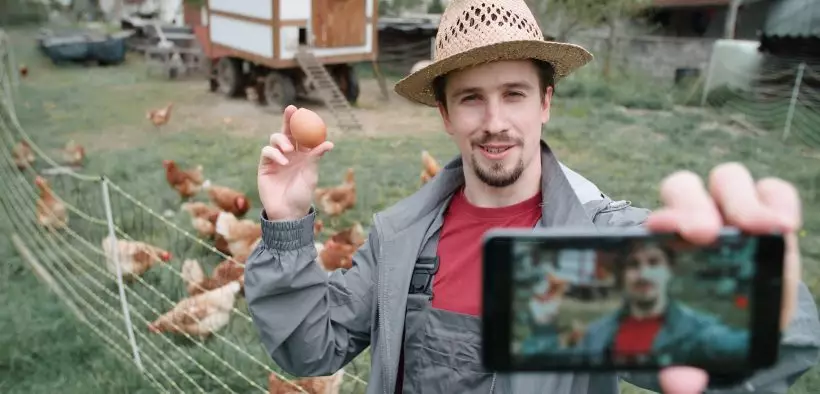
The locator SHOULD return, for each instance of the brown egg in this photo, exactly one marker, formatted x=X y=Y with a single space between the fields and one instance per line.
x=307 y=128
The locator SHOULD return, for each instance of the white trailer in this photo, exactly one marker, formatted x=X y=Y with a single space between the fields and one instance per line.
x=286 y=48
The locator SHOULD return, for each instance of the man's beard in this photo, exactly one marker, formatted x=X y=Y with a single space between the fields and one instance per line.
x=495 y=176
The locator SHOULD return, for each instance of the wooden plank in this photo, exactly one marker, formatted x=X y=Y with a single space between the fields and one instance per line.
x=277 y=21
x=231 y=15
x=339 y=23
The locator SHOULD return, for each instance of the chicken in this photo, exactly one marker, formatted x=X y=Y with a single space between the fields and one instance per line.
x=160 y=117
x=318 y=227
x=200 y=315
x=203 y=217
x=23 y=70
x=430 y=167
x=337 y=252
x=336 y=200
x=186 y=183
x=242 y=236
x=134 y=257
x=51 y=211
x=73 y=154
x=315 y=385
x=227 y=271
x=23 y=155
x=227 y=199
x=572 y=335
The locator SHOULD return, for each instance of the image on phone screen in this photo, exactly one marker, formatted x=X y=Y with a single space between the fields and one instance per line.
x=655 y=302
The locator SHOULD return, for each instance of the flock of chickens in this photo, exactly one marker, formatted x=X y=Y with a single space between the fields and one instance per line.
x=211 y=298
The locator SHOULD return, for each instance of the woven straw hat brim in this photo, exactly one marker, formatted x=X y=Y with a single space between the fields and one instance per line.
x=565 y=58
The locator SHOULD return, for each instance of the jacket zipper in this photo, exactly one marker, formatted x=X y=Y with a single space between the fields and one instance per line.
x=380 y=312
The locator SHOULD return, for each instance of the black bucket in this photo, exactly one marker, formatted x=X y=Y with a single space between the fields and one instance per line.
x=686 y=75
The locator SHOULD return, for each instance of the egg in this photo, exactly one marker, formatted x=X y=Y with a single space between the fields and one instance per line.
x=307 y=128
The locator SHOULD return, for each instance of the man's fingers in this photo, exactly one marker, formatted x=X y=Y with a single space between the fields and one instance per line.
x=274 y=155
x=281 y=142
x=289 y=110
x=320 y=150
x=683 y=380
x=698 y=219
x=734 y=191
x=783 y=200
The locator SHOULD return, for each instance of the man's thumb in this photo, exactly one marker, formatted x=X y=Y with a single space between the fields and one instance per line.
x=320 y=150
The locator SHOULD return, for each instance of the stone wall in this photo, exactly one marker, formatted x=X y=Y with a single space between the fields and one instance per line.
x=655 y=56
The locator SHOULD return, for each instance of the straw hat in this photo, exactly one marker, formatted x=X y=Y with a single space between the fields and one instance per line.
x=472 y=32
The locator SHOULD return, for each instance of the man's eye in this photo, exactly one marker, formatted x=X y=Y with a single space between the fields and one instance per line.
x=469 y=98
x=520 y=94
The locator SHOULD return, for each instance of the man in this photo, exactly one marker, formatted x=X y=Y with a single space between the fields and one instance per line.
x=650 y=323
x=413 y=294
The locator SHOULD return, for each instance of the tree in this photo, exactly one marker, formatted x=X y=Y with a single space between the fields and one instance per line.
x=569 y=16
x=435 y=7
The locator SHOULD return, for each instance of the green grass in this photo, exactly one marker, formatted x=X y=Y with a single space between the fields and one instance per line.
x=609 y=133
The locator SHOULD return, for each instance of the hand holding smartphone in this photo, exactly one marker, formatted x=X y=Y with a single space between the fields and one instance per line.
x=627 y=299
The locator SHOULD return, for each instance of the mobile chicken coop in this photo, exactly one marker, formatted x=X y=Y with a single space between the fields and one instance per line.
x=287 y=49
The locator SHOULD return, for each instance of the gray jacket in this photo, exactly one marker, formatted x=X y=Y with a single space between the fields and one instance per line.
x=313 y=324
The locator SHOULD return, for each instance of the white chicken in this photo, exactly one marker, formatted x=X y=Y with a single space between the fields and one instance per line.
x=200 y=315
x=134 y=257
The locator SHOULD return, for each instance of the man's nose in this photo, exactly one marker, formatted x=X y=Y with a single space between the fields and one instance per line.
x=496 y=119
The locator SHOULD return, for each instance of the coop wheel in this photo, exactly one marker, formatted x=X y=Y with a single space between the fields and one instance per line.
x=279 y=90
x=229 y=76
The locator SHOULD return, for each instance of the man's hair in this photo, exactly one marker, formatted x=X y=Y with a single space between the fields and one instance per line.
x=621 y=259
x=546 y=78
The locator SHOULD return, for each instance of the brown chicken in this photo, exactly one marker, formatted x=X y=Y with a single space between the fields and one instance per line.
x=134 y=257
x=73 y=154
x=51 y=211
x=572 y=335
x=336 y=200
x=337 y=252
x=186 y=183
x=315 y=385
x=318 y=227
x=23 y=70
x=23 y=155
x=227 y=271
x=227 y=199
x=160 y=117
x=430 y=167
x=203 y=217
x=200 y=315
x=241 y=235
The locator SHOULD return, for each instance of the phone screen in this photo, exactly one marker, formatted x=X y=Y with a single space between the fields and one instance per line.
x=636 y=302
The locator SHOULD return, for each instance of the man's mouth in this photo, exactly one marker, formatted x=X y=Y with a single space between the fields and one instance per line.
x=495 y=152
x=495 y=148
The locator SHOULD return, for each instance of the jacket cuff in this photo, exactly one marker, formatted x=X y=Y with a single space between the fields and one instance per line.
x=288 y=234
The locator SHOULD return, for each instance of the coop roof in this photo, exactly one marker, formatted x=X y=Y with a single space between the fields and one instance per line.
x=793 y=18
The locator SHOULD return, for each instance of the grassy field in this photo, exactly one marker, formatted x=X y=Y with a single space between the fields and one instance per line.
x=624 y=137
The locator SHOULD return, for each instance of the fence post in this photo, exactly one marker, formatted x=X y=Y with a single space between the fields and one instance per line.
x=793 y=102
x=109 y=217
x=708 y=82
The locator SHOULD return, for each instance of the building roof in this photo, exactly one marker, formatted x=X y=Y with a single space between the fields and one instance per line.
x=793 y=18
x=688 y=3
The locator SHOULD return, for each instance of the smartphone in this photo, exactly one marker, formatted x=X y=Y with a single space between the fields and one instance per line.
x=627 y=299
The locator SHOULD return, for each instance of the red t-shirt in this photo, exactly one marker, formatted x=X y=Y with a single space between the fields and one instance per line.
x=457 y=285
x=635 y=336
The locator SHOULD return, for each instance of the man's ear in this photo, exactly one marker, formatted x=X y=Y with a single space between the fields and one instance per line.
x=545 y=105
x=445 y=117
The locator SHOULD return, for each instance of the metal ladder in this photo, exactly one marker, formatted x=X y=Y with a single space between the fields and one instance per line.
x=330 y=93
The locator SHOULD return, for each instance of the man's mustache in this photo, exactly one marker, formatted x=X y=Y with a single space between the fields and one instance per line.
x=497 y=138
